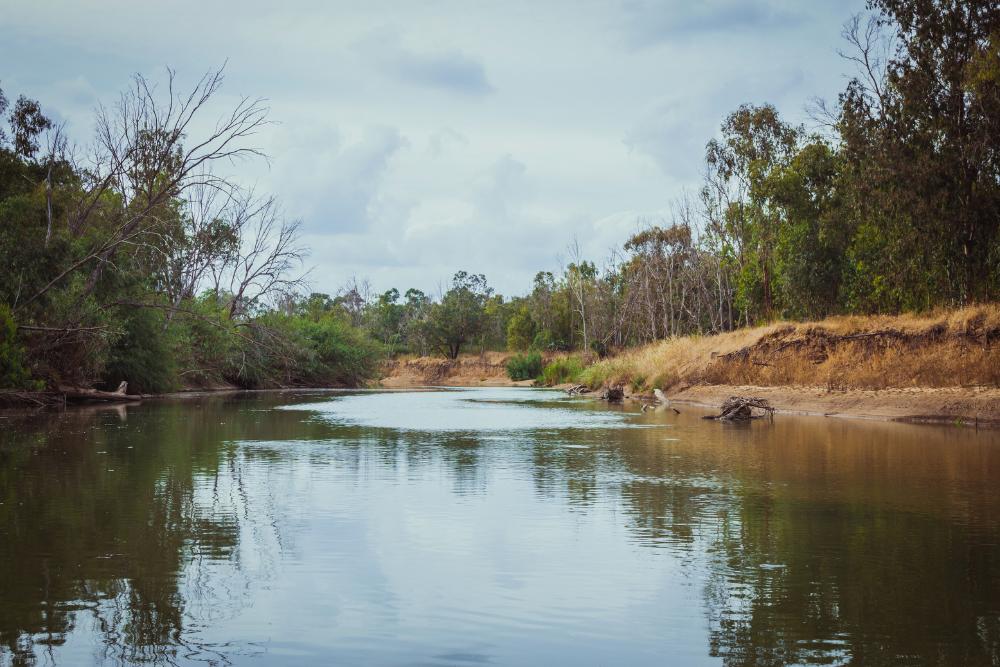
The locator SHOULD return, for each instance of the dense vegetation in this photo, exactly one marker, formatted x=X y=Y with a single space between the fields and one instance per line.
x=140 y=264
x=131 y=260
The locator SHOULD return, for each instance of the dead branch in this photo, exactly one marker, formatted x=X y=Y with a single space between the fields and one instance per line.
x=740 y=408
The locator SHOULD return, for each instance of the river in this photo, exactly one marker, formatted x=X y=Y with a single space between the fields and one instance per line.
x=491 y=527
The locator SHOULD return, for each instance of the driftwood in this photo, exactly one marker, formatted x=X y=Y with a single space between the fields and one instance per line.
x=577 y=389
x=84 y=394
x=614 y=394
x=740 y=408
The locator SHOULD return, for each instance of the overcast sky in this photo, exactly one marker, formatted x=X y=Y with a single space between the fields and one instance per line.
x=414 y=139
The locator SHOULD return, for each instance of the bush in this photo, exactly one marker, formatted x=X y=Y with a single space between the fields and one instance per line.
x=524 y=366
x=567 y=369
x=520 y=330
x=13 y=374
x=543 y=341
x=141 y=356
x=335 y=352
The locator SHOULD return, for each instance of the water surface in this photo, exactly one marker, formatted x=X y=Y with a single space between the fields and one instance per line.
x=491 y=527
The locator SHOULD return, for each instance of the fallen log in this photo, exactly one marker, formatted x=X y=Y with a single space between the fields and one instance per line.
x=85 y=394
x=741 y=408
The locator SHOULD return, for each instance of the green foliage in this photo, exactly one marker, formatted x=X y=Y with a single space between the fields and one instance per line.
x=332 y=352
x=521 y=330
x=543 y=340
x=142 y=355
x=810 y=256
x=13 y=373
x=562 y=370
x=460 y=315
x=524 y=366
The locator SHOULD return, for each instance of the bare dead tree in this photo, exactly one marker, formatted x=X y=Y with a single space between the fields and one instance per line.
x=579 y=285
x=146 y=153
x=355 y=296
x=206 y=236
x=55 y=152
x=267 y=253
x=869 y=48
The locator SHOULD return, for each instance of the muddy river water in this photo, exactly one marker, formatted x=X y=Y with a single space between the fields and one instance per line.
x=491 y=527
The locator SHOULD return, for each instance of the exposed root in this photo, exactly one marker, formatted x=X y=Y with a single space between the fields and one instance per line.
x=740 y=408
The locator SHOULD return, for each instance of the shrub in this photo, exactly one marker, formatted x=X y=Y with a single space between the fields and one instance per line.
x=543 y=341
x=520 y=330
x=141 y=355
x=566 y=369
x=13 y=374
x=335 y=352
x=524 y=366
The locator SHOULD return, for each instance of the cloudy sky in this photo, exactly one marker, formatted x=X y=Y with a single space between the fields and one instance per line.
x=414 y=139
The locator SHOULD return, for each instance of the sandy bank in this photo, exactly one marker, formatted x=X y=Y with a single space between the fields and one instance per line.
x=948 y=405
x=914 y=404
x=488 y=369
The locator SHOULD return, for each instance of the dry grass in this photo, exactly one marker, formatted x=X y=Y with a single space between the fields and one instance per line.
x=938 y=349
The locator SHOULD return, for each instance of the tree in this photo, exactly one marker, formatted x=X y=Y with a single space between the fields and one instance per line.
x=921 y=142
x=754 y=142
x=386 y=319
x=459 y=317
x=140 y=163
x=27 y=121
x=810 y=254
x=521 y=330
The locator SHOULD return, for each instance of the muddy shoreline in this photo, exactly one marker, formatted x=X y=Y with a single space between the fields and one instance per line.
x=965 y=406
x=977 y=407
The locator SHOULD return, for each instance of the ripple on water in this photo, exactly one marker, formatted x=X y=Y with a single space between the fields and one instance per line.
x=481 y=410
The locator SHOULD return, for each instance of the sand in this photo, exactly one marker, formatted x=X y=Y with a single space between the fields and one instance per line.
x=953 y=405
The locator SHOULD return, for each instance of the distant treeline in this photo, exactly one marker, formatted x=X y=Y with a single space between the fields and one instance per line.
x=892 y=204
x=132 y=260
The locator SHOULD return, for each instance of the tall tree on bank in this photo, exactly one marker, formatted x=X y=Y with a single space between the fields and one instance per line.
x=459 y=317
x=754 y=143
x=921 y=140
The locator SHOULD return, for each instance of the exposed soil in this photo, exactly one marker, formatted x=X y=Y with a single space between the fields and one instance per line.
x=972 y=406
x=950 y=405
x=482 y=370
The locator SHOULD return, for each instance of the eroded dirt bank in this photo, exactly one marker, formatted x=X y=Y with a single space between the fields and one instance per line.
x=488 y=369
x=967 y=406
x=947 y=405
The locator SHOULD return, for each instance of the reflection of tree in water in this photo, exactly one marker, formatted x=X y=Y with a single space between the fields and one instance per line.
x=462 y=454
x=91 y=525
x=106 y=521
x=819 y=545
x=856 y=555
x=823 y=544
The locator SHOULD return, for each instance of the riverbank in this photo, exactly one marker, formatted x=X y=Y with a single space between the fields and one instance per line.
x=488 y=369
x=942 y=368
x=919 y=405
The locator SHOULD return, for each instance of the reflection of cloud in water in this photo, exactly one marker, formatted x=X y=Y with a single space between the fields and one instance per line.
x=469 y=410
